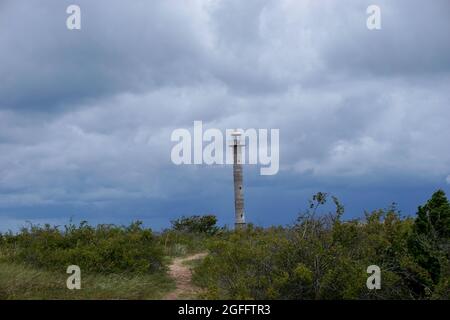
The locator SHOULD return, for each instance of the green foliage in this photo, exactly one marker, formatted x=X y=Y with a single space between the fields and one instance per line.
x=177 y=243
x=234 y=257
x=323 y=257
x=102 y=249
x=430 y=242
x=196 y=224
x=189 y=234
x=433 y=219
x=320 y=256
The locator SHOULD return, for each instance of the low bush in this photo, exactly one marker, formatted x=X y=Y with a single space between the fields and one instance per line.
x=323 y=257
x=179 y=243
x=189 y=234
x=102 y=249
x=196 y=224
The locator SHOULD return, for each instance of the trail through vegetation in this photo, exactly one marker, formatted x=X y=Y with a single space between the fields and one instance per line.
x=181 y=273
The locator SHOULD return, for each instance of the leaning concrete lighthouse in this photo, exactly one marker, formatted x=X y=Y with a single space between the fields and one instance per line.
x=239 y=222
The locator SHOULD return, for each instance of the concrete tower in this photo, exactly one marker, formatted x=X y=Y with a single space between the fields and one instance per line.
x=239 y=222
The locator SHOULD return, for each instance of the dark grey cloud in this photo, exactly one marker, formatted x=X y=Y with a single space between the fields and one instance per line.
x=413 y=42
x=121 y=48
x=258 y=47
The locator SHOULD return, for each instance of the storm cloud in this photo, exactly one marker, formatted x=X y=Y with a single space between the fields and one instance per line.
x=86 y=115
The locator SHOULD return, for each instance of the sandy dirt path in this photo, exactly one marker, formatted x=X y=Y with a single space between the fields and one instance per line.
x=182 y=274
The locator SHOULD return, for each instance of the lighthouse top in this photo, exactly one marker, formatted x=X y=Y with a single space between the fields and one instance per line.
x=237 y=139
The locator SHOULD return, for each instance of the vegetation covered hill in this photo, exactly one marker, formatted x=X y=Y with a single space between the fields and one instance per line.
x=323 y=257
x=318 y=257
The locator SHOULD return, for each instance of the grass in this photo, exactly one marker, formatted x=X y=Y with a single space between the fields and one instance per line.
x=193 y=263
x=25 y=283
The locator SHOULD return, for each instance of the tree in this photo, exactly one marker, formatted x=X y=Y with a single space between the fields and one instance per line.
x=429 y=241
x=433 y=219
x=196 y=224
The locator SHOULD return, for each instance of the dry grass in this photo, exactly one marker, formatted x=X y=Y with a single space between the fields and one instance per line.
x=21 y=282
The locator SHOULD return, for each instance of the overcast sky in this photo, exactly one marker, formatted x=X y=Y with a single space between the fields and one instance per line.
x=86 y=115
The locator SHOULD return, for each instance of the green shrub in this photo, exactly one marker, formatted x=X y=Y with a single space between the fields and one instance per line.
x=103 y=249
x=429 y=242
x=179 y=243
x=189 y=234
x=196 y=224
x=322 y=257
